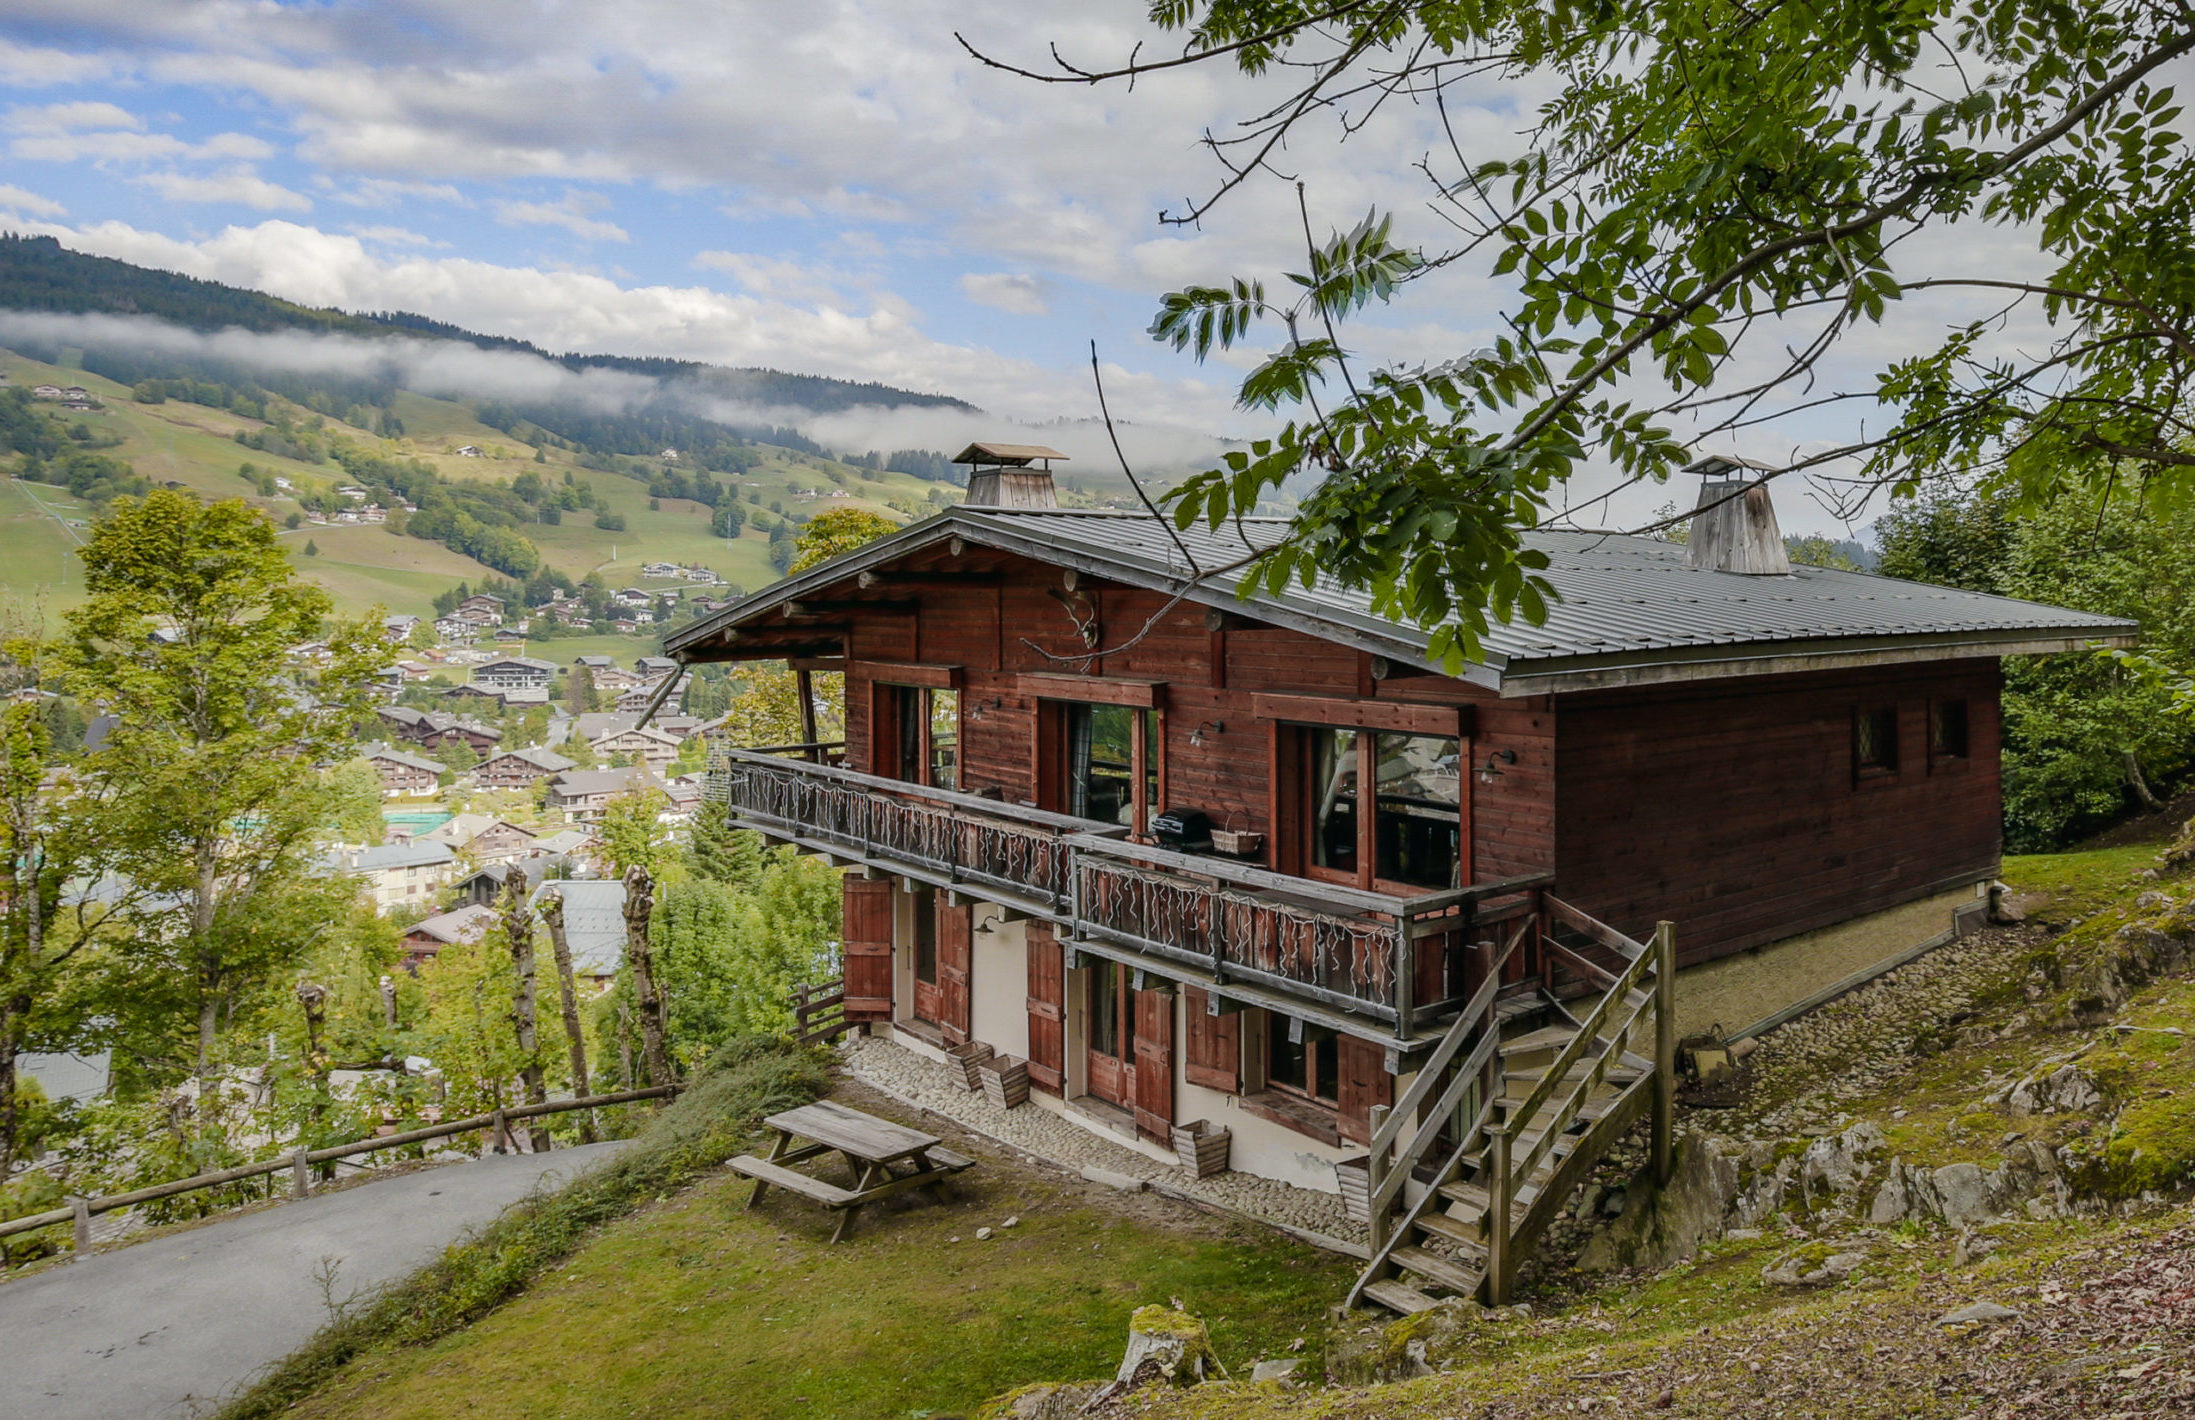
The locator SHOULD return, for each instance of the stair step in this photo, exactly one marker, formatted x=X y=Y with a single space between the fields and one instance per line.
x=1545 y=1038
x=1457 y=1232
x=1398 y=1296
x=1453 y=1273
x=1597 y=1104
x=1475 y=1198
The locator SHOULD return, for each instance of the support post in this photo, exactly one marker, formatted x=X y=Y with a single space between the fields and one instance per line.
x=300 y=1175
x=502 y=1132
x=1497 y=1215
x=1665 y=1051
x=1376 y=1164
x=804 y=687
x=1490 y=1073
x=81 y=1207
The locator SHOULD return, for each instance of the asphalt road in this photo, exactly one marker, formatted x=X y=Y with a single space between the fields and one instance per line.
x=170 y=1326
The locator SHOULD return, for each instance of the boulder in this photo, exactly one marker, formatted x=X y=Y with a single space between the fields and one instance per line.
x=1812 y=1267
x=1839 y=1162
x=1978 y=1312
x=1280 y=1368
x=1041 y=1402
x=2066 y=1090
x=1659 y=1226
x=1963 y=1195
x=1167 y=1345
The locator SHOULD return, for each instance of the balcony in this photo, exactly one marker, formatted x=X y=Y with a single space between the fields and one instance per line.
x=1262 y=938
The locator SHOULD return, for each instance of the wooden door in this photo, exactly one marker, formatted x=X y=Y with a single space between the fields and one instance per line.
x=955 y=946
x=1364 y=1082
x=1214 y=1050
x=1110 y=1033
x=1155 y=1065
x=929 y=984
x=1047 y=1010
x=867 y=907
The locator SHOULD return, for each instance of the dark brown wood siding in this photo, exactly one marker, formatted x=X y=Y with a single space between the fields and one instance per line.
x=1734 y=808
x=867 y=908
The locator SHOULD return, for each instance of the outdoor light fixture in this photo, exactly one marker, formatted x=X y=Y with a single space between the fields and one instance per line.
x=1488 y=772
x=1196 y=736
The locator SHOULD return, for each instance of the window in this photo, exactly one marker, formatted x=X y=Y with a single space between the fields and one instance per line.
x=1947 y=730
x=1415 y=836
x=944 y=720
x=1309 y=1066
x=926 y=937
x=1111 y=764
x=920 y=733
x=1875 y=739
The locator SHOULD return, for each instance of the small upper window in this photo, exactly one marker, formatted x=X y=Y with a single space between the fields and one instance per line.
x=1875 y=739
x=1947 y=730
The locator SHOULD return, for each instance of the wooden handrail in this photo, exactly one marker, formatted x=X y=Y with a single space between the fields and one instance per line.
x=1467 y=1021
x=1594 y=928
x=997 y=809
x=154 y=1192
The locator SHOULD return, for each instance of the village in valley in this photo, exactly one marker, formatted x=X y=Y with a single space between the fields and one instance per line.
x=622 y=793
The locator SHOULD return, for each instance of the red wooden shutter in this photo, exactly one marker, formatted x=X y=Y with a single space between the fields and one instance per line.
x=868 y=947
x=1047 y=1010
x=1364 y=1083
x=1214 y=1050
x=1155 y=1065
x=955 y=944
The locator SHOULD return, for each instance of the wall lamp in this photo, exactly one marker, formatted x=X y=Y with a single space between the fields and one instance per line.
x=1490 y=771
x=1215 y=727
x=975 y=711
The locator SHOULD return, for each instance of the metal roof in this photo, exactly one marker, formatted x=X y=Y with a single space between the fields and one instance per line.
x=983 y=451
x=594 y=921
x=1628 y=610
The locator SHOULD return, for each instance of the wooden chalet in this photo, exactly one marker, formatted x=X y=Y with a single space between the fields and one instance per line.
x=1261 y=863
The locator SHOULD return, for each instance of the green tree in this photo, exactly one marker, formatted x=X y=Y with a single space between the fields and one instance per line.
x=717 y=851
x=632 y=833
x=579 y=692
x=216 y=806
x=1709 y=198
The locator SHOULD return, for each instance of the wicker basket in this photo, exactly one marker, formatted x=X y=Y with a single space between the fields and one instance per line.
x=970 y=1058
x=1356 y=1186
x=1238 y=842
x=1005 y=1081
x=1202 y=1147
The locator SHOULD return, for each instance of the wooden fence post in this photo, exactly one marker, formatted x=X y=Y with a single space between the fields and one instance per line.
x=1497 y=1215
x=1665 y=1051
x=1375 y=1167
x=300 y=1175
x=81 y=1207
x=502 y=1127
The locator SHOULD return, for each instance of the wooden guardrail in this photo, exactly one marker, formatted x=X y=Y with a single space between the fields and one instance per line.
x=819 y=1011
x=300 y=1161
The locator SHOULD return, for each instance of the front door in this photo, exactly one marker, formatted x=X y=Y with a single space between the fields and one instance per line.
x=929 y=983
x=1112 y=1034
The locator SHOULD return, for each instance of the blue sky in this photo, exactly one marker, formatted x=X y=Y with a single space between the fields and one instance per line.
x=833 y=186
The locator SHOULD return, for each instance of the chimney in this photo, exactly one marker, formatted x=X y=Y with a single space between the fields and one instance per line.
x=1734 y=529
x=1010 y=475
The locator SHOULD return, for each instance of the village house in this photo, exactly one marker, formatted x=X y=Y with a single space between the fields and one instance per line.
x=637 y=700
x=432 y=729
x=390 y=681
x=485 y=886
x=398 y=629
x=515 y=673
x=459 y=629
x=647 y=745
x=402 y=773
x=483 y=607
x=426 y=939
x=1264 y=864
x=400 y=874
x=582 y=794
x=487 y=839
x=520 y=768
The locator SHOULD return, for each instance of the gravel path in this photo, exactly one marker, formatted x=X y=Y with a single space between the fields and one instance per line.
x=902 y=1073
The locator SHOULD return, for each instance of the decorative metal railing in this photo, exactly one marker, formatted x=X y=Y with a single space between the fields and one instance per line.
x=1358 y=953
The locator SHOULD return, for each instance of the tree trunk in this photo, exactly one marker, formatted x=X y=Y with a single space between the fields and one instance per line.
x=639 y=906
x=2140 y=785
x=11 y=1123
x=518 y=925
x=209 y=972
x=552 y=912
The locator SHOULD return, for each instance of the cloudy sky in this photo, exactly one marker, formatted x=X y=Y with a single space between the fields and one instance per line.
x=832 y=186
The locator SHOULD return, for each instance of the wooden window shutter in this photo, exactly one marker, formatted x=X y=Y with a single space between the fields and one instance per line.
x=867 y=955
x=1047 y=1010
x=1155 y=1065
x=1364 y=1082
x=955 y=945
x=1214 y=1051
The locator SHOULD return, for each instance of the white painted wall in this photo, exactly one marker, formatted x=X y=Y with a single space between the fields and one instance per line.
x=1259 y=1146
x=998 y=983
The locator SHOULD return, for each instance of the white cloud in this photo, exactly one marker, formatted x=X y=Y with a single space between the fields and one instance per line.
x=238 y=186
x=1005 y=291
x=386 y=192
x=396 y=237
x=130 y=147
x=778 y=277
x=572 y=214
x=71 y=117
x=27 y=67
x=15 y=199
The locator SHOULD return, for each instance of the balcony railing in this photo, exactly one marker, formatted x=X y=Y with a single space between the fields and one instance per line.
x=1353 y=952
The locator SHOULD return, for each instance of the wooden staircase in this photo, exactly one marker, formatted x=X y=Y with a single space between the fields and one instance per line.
x=1530 y=1086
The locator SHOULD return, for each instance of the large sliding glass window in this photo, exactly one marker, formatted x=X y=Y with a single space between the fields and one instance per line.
x=1107 y=761
x=1414 y=837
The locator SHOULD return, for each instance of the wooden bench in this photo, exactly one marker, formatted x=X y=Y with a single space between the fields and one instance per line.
x=765 y=1173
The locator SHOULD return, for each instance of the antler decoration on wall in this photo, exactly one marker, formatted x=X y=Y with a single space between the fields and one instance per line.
x=1082 y=611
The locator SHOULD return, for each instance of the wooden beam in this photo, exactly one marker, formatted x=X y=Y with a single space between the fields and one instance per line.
x=1400 y=717
x=1388 y=668
x=871 y=580
x=933 y=677
x=820 y=665
x=756 y=651
x=817 y=606
x=1095 y=689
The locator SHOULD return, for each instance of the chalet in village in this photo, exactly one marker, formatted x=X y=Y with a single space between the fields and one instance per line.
x=1197 y=862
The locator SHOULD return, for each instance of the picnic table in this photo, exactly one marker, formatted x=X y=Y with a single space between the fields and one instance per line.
x=876 y=1151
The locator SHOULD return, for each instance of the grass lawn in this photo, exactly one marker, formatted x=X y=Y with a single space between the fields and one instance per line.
x=698 y=1306
x=2080 y=882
